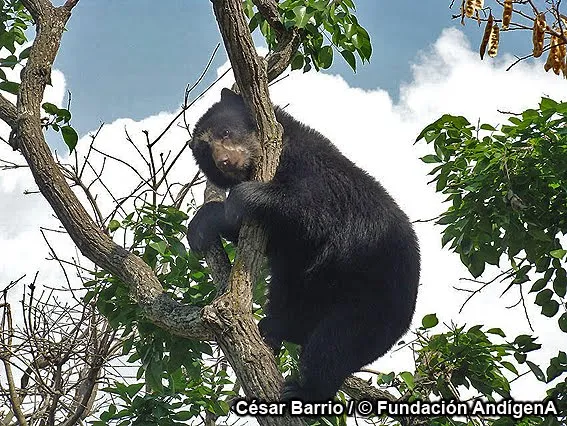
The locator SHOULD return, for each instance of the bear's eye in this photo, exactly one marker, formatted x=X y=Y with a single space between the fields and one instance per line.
x=225 y=133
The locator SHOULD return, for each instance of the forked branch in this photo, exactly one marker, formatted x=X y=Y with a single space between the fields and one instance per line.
x=91 y=240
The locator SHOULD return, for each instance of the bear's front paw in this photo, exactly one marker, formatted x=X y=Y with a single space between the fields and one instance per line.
x=204 y=229
x=241 y=202
x=266 y=331
x=292 y=390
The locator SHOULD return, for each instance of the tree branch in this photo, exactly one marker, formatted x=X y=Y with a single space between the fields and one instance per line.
x=8 y=112
x=37 y=8
x=288 y=39
x=231 y=315
x=216 y=258
x=359 y=389
x=269 y=10
x=93 y=243
x=15 y=400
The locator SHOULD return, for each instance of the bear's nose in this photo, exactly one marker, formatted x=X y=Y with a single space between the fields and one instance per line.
x=224 y=162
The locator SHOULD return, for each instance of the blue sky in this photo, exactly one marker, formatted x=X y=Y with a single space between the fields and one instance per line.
x=133 y=58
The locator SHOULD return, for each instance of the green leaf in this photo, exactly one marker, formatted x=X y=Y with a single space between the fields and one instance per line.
x=550 y=308
x=10 y=87
x=504 y=421
x=297 y=62
x=407 y=377
x=446 y=219
x=487 y=127
x=547 y=103
x=361 y=41
x=50 y=108
x=537 y=371
x=89 y=296
x=543 y=297
x=325 y=57
x=183 y=415
x=385 y=378
x=476 y=267
x=441 y=182
x=127 y=345
x=178 y=248
x=349 y=58
x=539 y=285
x=562 y=321
x=496 y=331
x=301 y=16
x=429 y=321
x=24 y=54
x=520 y=357
x=558 y=254
x=154 y=372
x=133 y=389
x=560 y=285
x=509 y=366
x=431 y=158
x=70 y=137
x=159 y=246
x=113 y=225
x=63 y=115
x=11 y=61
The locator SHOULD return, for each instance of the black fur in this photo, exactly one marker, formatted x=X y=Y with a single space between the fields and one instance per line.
x=344 y=258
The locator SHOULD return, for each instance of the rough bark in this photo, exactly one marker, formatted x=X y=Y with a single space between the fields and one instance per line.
x=230 y=315
x=93 y=243
x=228 y=319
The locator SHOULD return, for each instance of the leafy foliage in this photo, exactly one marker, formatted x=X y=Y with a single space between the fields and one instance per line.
x=507 y=192
x=58 y=119
x=325 y=26
x=181 y=377
x=464 y=359
x=14 y=21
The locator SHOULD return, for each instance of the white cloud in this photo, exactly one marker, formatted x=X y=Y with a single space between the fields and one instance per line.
x=375 y=132
x=21 y=243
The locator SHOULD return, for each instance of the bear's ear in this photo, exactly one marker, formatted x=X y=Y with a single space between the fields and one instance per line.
x=228 y=95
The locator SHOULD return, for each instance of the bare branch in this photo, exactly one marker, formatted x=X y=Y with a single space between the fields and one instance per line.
x=89 y=238
x=7 y=111
x=231 y=313
x=15 y=400
x=280 y=59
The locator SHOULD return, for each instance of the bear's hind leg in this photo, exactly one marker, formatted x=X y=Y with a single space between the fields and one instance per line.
x=343 y=342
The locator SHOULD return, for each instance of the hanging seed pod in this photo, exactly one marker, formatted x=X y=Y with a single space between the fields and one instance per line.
x=538 y=35
x=507 y=15
x=563 y=47
x=560 y=59
x=556 y=56
x=470 y=7
x=463 y=12
x=486 y=36
x=493 y=41
x=550 y=60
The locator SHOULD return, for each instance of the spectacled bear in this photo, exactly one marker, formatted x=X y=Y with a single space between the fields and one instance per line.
x=344 y=258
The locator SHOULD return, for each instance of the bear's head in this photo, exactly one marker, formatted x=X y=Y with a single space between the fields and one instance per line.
x=225 y=144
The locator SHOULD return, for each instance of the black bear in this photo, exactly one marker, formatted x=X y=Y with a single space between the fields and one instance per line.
x=344 y=258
